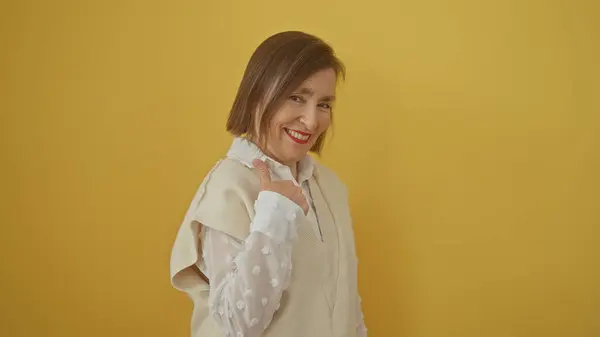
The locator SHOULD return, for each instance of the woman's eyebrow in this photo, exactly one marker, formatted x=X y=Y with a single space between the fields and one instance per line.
x=309 y=92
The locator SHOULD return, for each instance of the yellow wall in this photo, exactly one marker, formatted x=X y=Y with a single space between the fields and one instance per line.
x=468 y=133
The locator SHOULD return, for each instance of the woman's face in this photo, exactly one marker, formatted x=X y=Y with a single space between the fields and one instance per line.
x=303 y=117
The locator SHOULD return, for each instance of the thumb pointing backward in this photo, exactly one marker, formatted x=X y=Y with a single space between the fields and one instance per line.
x=263 y=170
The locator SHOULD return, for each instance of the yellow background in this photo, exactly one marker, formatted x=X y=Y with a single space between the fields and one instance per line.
x=467 y=131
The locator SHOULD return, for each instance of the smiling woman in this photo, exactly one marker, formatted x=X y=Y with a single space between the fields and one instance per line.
x=288 y=89
x=267 y=246
x=314 y=93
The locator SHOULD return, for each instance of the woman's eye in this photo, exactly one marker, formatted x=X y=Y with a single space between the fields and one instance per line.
x=296 y=99
x=325 y=106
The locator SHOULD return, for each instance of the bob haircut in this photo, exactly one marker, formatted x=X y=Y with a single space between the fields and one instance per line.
x=277 y=67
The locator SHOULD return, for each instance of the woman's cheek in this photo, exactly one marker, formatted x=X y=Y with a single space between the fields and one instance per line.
x=325 y=122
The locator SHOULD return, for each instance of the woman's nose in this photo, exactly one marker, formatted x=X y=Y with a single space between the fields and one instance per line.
x=309 y=118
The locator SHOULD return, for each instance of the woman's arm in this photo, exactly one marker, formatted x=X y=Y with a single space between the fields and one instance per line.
x=247 y=278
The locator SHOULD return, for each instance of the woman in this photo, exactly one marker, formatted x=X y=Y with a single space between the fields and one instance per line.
x=269 y=228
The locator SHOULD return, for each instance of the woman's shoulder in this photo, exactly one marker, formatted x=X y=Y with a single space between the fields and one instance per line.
x=230 y=168
x=225 y=199
x=326 y=175
x=230 y=175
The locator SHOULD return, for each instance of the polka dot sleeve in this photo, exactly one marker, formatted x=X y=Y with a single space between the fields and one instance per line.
x=248 y=277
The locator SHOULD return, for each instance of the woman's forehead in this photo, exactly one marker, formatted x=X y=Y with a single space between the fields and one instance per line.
x=321 y=83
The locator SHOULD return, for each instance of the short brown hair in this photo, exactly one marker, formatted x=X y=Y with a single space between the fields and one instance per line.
x=277 y=67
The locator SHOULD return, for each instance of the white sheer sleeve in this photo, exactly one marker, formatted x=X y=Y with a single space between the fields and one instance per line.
x=248 y=277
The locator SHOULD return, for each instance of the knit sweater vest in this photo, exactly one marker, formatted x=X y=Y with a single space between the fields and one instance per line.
x=321 y=299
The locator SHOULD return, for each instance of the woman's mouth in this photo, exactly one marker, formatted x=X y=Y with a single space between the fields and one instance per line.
x=298 y=137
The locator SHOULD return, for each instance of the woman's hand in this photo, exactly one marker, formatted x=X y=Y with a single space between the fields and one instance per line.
x=283 y=187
